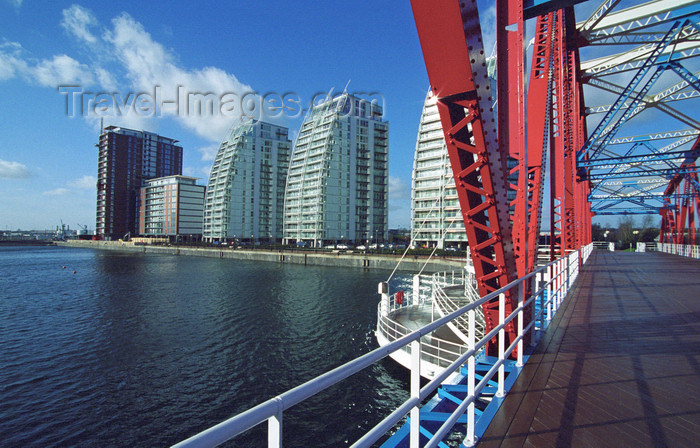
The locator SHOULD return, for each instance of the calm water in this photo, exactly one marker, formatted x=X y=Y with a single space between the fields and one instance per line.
x=146 y=350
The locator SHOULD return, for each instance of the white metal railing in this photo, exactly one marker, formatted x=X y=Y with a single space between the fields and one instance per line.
x=464 y=283
x=556 y=278
x=434 y=350
x=686 y=250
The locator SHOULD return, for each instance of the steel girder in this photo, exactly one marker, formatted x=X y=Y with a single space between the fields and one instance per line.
x=631 y=25
x=539 y=121
x=607 y=128
x=488 y=161
x=660 y=101
x=570 y=212
x=511 y=117
x=681 y=204
x=657 y=136
x=450 y=37
x=612 y=162
x=628 y=173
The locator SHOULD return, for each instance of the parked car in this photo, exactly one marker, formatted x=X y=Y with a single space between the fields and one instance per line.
x=301 y=243
x=361 y=247
x=341 y=246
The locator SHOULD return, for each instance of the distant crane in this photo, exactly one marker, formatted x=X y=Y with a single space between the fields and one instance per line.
x=61 y=231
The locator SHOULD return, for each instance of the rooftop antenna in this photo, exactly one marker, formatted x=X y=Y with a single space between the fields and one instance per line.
x=102 y=125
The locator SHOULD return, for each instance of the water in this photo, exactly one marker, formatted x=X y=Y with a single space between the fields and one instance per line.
x=147 y=350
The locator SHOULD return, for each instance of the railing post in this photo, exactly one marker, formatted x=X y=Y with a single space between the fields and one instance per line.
x=416 y=289
x=274 y=430
x=383 y=289
x=501 y=345
x=415 y=393
x=521 y=301
x=562 y=284
x=568 y=273
x=469 y=439
x=550 y=291
x=540 y=297
x=556 y=281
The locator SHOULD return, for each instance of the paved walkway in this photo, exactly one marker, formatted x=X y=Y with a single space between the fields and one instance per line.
x=620 y=364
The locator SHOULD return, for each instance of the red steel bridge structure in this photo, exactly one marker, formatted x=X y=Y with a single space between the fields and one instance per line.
x=596 y=116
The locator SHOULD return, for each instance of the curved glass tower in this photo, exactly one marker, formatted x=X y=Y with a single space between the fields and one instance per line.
x=245 y=194
x=435 y=212
x=337 y=187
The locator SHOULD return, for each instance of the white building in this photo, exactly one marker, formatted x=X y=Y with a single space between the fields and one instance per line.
x=245 y=194
x=337 y=187
x=435 y=212
x=171 y=206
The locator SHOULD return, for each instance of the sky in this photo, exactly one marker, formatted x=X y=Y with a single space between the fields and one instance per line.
x=66 y=66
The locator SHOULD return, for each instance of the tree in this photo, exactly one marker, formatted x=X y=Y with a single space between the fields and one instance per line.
x=597 y=232
x=625 y=231
x=649 y=230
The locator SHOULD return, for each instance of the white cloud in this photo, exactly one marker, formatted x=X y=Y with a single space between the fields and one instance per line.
x=78 y=21
x=105 y=79
x=206 y=100
x=62 y=70
x=58 y=70
x=398 y=189
x=209 y=152
x=10 y=61
x=84 y=183
x=148 y=64
x=57 y=192
x=13 y=170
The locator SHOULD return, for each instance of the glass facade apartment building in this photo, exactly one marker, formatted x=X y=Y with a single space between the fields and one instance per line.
x=436 y=219
x=337 y=186
x=245 y=194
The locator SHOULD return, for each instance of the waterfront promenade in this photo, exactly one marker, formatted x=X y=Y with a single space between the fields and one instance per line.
x=293 y=256
x=618 y=366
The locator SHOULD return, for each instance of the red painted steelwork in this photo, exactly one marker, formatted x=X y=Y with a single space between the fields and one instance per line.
x=450 y=36
x=681 y=209
x=538 y=123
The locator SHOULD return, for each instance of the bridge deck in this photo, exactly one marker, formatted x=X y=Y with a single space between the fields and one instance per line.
x=621 y=367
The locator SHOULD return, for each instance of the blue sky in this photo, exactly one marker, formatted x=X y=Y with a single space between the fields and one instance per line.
x=55 y=55
x=48 y=159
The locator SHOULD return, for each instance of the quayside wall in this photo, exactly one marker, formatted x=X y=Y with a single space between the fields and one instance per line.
x=354 y=260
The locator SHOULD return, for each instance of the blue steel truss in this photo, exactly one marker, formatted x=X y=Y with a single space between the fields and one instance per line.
x=611 y=162
x=603 y=134
x=684 y=73
x=665 y=172
x=629 y=173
